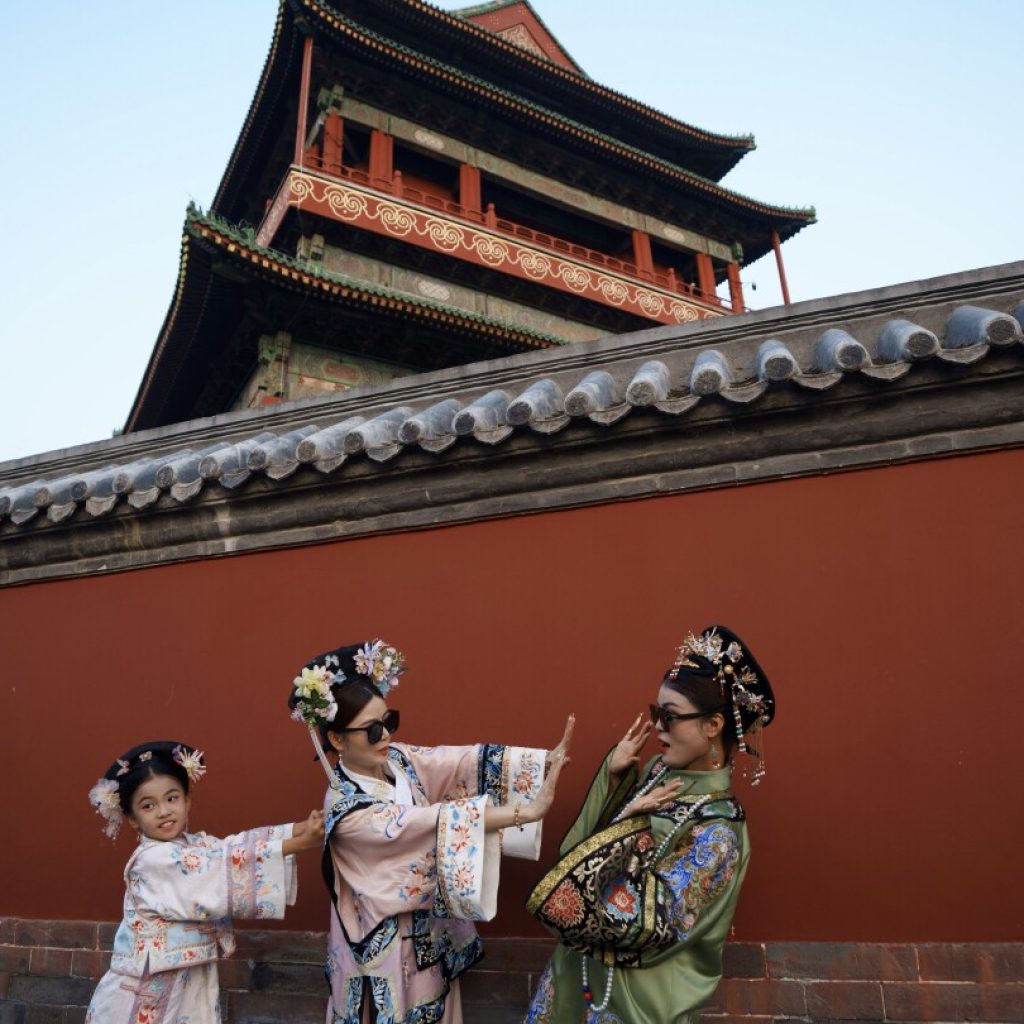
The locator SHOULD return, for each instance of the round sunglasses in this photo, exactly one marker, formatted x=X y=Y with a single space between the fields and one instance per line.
x=375 y=730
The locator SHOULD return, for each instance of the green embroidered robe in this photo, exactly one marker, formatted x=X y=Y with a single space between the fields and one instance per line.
x=660 y=912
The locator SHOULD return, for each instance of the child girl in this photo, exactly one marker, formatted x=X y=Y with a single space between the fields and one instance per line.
x=183 y=888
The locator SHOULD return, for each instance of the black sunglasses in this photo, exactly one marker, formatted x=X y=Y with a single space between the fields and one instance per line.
x=663 y=717
x=375 y=730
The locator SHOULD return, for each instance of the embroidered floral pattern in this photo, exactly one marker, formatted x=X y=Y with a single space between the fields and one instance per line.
x=529 y=775
x=421 y=881
x=460 y=855
x=621 y=900
x=699 y=873
x=190 y=861
x=565 y=906
x=179 y=897
x=437 y=941
x=388 y=819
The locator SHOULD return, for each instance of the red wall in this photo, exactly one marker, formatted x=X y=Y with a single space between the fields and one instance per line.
x=886 y=605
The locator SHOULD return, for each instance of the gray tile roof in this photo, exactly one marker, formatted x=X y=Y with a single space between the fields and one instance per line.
x=739 y=369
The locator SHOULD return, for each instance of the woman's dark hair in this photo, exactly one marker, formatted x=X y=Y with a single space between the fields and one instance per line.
x=704 y=693
x=351 y=696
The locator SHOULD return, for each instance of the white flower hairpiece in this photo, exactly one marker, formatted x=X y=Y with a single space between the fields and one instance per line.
x=105 y=797
x=191 y=761
x=314 y=702
x=382 y=663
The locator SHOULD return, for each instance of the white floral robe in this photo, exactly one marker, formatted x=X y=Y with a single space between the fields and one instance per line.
x=180 y=897
x=409 y=866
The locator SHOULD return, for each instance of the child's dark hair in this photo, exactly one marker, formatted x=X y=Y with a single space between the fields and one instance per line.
x=142 y=772
x=148 y=761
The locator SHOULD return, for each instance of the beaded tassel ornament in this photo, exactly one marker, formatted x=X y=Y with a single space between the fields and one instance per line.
x=739 y=684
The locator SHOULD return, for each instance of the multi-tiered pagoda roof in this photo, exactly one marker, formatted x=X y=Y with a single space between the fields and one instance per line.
x=420 y=188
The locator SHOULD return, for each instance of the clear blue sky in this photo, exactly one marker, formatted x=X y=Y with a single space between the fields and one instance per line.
x=899 y=120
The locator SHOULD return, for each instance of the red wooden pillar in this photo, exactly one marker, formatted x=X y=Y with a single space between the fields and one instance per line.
x=382 y=156
x=334 y=137
x=470 y=194
x=777 y=246
x=735 y=287
x=706 y=276
x=642 y=256
x=303 y=116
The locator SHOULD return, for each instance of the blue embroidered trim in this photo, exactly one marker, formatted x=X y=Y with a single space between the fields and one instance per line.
x=700 y=873
x=406 y=765
x=378 y=939
x=436 y=946
x=543 y=1003
x=350 y=798
x=492 y=757
x=353 y=1003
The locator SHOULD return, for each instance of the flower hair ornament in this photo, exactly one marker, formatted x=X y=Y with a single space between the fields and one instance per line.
x=741 y=681
x=105 y=796
x=312 y=696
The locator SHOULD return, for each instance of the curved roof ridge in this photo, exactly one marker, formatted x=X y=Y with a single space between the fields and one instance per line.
x=480 y=84
x=253 y=104
x=744 y=141
x=246 y=236
x=475 y=10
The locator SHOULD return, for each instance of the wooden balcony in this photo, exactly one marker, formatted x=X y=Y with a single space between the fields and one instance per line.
x=391 y=207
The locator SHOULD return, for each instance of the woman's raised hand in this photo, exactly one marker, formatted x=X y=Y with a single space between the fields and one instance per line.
x=627 y=751
x=557 y=760
x=655 y=798
x=561 y=752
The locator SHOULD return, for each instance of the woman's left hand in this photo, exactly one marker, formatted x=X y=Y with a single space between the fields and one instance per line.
x=655 y=799
x=627 y=752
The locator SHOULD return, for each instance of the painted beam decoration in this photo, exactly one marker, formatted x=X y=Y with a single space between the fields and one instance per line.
x=370 y=211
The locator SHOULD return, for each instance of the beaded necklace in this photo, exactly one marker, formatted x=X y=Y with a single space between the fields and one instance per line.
x=656 y=774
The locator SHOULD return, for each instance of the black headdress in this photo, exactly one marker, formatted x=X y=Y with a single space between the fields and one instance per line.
x=311 y=699
x=719 y=654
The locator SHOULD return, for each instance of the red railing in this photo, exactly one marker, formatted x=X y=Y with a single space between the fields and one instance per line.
x=667 y=280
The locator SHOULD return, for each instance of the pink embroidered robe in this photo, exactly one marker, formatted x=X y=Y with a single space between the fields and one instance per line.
x=410 y=867
x=180 y=897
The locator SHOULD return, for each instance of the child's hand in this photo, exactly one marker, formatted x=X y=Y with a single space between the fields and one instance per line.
x=313 y=830
x=308 y=834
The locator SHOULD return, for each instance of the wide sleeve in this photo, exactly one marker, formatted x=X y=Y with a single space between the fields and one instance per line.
x=515 y=774
x=503 y=773
x=397 y=858
x=208 y=879
x=697 y=877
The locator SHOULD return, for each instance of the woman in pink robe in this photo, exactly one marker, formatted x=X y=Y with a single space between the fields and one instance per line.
x=414 y=840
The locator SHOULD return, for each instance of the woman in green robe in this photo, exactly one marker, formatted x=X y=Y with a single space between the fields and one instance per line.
x=644 y=894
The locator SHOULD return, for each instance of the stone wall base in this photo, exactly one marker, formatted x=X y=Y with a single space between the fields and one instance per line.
x=48 y=970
